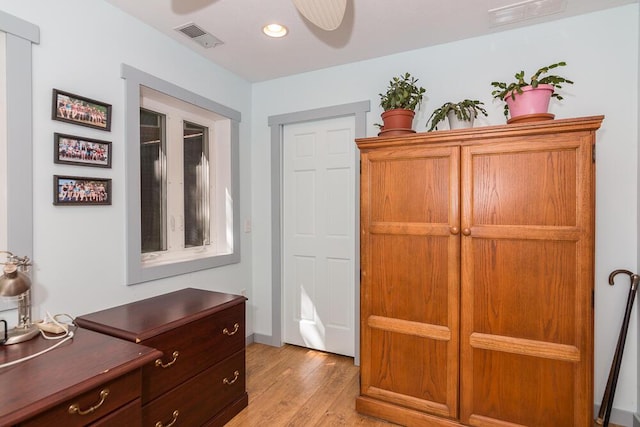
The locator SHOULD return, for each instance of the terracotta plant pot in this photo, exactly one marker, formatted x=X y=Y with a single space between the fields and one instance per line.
x=531 y=102
x=397 y=122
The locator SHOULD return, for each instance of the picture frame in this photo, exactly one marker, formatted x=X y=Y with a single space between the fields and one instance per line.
x=71 y=108
x=81 y=151
x=78 y=190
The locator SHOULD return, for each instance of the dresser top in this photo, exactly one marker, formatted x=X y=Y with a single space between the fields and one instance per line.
x=76 y=366
x=141 y=320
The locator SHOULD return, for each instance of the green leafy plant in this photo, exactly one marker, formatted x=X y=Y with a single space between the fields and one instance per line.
x=502 y=90
x=402 y=92
x=463 y=110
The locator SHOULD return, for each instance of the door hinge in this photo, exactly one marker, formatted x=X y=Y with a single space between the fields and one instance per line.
x=593 y=153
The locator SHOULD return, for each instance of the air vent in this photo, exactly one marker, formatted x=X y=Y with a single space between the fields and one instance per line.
x=199 y=35
x=502 y=14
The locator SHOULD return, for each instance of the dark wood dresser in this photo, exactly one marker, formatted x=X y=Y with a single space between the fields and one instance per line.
x=200 y=379
x=92 y=379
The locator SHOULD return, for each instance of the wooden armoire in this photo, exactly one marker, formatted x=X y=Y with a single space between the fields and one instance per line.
x=477 y=257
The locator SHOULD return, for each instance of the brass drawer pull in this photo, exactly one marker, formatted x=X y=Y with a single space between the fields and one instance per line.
x=235 y=330
x=75 y=408
x=163 y=365
x=236 y=374
x=173 y=421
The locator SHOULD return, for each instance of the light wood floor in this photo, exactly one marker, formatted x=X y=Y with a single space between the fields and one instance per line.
x=293 y=386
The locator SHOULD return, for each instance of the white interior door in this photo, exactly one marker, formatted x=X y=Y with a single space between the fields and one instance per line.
x=318 y=235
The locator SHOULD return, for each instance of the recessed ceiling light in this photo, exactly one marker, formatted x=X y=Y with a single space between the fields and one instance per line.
x=275 y=30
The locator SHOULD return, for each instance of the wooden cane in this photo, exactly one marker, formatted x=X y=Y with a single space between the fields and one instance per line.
x=607 y=399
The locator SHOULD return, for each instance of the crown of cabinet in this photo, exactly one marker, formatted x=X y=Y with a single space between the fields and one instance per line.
x=477 y=134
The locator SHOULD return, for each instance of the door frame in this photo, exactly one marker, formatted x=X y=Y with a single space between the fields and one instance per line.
x=277 y=123
x=20 y=38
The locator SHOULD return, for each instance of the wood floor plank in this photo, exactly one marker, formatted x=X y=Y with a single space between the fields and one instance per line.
x=337 y=373
x=343 y=410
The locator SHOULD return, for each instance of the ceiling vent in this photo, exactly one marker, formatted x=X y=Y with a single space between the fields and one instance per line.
x=503 y=14
x=199 y=35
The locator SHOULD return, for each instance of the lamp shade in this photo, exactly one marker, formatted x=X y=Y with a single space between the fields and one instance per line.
x=13 y=283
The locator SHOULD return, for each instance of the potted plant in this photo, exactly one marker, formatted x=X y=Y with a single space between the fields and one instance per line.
x=529 y=100
x=399 y=103
x=460 y=114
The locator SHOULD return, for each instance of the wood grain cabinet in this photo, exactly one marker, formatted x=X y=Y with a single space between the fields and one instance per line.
x=200 y=379
x=477 y=257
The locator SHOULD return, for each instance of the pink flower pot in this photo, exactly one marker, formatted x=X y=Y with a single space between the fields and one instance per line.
x=530 y=101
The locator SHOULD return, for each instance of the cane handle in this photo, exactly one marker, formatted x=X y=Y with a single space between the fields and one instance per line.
x=635 y=279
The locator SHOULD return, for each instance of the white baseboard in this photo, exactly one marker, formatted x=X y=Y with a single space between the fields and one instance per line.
x=265 y=339
x=620 y=417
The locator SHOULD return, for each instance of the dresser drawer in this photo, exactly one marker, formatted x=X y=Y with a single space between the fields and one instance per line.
x=129 y=415
x=192 y=348
x=200 y=398
x=104 y=399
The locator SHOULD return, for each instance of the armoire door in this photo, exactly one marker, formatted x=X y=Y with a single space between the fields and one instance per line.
x=527 y=282
x=410 y=279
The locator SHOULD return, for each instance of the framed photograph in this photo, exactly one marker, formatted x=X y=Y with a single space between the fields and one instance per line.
x=81 y=151
x=77 y=190
x=79 y=110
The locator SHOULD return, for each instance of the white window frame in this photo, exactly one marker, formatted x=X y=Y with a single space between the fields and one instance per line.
x=227 y=190
x=17 y=197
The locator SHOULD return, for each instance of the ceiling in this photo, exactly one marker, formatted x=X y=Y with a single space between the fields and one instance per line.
x=370 y=28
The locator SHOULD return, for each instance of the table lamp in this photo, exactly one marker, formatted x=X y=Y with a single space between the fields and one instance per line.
x=15 y=285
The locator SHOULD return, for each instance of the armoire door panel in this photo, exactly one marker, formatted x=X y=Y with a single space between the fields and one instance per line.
x=411 y=186
x=511 y=393
x=403 y=366
x=411 y=278
x=519 y=288
x=534 y=186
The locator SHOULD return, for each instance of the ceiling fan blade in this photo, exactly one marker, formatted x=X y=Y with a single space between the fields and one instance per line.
x=326 y=14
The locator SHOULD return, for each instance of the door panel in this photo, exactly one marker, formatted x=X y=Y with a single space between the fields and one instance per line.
x=526 y=299
x=410 y=277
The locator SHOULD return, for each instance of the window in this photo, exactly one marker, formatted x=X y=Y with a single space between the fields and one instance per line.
x=178 y=144
x=182 y=175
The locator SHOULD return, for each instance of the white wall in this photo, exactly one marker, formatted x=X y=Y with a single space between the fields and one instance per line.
x=79 y=260
x=601 y=50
